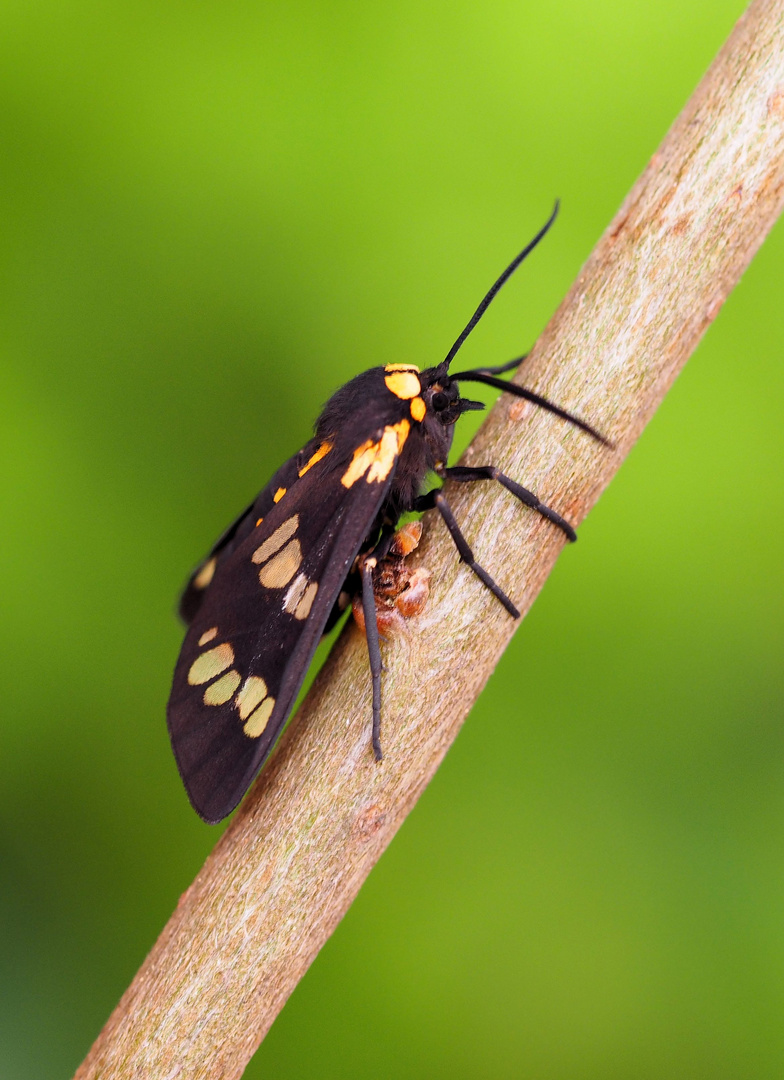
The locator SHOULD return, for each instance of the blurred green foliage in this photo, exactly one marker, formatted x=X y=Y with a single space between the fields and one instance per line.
x=212 y=215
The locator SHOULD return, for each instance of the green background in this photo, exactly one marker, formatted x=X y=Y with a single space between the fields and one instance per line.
x=213 y=214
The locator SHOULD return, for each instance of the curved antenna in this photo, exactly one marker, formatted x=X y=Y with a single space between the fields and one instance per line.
x=535 y=399
x=503 y=278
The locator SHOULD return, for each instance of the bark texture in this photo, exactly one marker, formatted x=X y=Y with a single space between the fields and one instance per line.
x=320 y=816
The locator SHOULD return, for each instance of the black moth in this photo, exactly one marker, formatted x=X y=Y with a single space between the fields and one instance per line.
x=270 y=587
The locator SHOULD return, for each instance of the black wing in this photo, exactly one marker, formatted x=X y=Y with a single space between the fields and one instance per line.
x=257 y=626
x=198 y=583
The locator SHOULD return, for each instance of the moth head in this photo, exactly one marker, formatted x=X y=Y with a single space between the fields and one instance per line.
x=441 y=395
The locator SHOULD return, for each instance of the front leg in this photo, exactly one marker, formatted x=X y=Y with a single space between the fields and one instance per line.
x=436 y=499
x=465 y=475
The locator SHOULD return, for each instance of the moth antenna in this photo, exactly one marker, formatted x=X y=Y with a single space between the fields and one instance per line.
x=535 y=399
x=501 y=281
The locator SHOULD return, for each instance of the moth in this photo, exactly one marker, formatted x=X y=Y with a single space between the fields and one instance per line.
x=274 y=582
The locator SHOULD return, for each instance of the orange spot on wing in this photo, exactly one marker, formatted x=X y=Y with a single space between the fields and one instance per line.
x=377 y=458
x=322 y=452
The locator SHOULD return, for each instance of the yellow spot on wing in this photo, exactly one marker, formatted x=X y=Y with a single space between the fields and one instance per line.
x=220 y=692
x=322 y=452
x=252 y=694
x=258 y=720
x=210 y=664
x=282 y=567
x=283 y=533
x=279 y=495
x=388 y=450
x=360 y=463
x=402 y=367
x=205 y=575
x=376 y=459
x=208 y=635
x=403 y=384
x=418 y=409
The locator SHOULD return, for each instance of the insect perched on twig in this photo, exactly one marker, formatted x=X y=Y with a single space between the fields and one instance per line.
x=271 y=586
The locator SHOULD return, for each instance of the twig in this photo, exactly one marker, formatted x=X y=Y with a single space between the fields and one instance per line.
x=286 y=870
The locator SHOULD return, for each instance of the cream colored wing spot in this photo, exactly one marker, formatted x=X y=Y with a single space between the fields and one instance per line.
x=299 y=599
x=253 y=692
x=208 y=635
x=258 y=720
x=205 y=575
x=219 y=692
x=322 y=452
x=302 y=609
x=403 y=384
x=211 y=663
x=294 y=593
x=418 y=409
x=402 y=367
x=279 y=494
x=282 y=567
x=273 y=543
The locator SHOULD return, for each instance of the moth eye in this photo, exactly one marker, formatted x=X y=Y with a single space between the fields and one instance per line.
x=439 y=401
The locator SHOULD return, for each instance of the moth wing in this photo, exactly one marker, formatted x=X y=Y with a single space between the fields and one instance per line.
x=200 y=580
x=251 y=641
x=196 y=587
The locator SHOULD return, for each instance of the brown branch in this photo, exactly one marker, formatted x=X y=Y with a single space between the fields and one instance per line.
x=290 y=864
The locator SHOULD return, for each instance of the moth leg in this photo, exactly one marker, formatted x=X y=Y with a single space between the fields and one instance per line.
x=437 y=499
x=489 y=472
x=366 y=566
